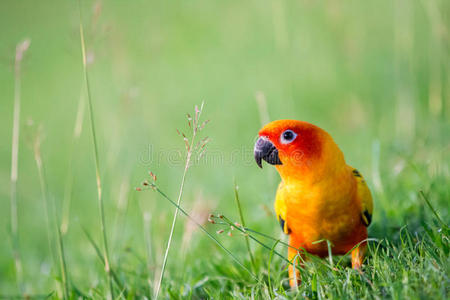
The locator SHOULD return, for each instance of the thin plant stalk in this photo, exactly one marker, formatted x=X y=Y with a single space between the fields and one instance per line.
x=268 y=269
x=97 y=164
x=38 y=160
x=425 y=198
x=121 y=213
x=62 y=258
x=239 y=228
x=180 y=194
x=246 y=231
x=43 y=184
x=202 y=228
x=241 y=216
x=102 y=259
x=69 y=181
x=20 y=50
x=148 y=247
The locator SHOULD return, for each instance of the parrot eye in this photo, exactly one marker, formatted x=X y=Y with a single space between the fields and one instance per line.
x=288 y=136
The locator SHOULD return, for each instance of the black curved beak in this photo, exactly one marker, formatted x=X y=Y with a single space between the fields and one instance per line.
x=264 y=149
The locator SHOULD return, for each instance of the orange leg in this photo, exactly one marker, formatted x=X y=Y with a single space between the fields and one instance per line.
x=358 y=256
x=296 y=258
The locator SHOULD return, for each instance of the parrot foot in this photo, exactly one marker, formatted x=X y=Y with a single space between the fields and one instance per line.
x=296 y=258
x=358 y=256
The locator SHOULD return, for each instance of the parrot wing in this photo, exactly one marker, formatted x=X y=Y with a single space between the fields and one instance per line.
x=365 y=198
x=280 y=208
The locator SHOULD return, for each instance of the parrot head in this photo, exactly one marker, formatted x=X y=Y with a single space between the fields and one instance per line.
x=296 y=148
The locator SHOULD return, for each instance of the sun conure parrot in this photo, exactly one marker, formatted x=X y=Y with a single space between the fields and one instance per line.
x=320 y=197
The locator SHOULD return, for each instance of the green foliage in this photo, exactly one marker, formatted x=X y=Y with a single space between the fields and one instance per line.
x=373 y=74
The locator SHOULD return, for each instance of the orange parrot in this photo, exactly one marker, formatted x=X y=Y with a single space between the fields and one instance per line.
x=320 y=197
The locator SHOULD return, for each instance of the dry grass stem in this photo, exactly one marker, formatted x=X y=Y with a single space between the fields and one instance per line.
x=46 y=202
x=189 y=151
x=20 y=51
x=78 y=127
x=96 y=159
x=241 y=216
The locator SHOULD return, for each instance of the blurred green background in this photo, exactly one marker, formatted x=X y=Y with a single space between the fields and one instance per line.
x=375 y=74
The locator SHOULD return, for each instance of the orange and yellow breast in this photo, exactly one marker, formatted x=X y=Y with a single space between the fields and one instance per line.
x=325 y=211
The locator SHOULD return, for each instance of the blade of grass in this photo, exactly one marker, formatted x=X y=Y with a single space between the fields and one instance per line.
x=269 y=237
x=268 y=268
x=20 y=50
x=330 y=253
x=354 y=247
x=190 y=149
x=314 y=286
x=306 y=253
x=62 y=258
x=239 y=228
x=241 y=216
x=425 y=198
x=149 y=254
x=148 y=247
x=174 y=221
x=294 y=271
x=155 y=187
x=69 y=181
x=97 y=163
x=43 y=184
x=102 y=259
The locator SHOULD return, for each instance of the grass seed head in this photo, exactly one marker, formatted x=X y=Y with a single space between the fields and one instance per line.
x=196 y=112
x=186 y=142
x=203 y=124
x=21 y=48
x=204 y=141
x=202 y=153
x=189 y=118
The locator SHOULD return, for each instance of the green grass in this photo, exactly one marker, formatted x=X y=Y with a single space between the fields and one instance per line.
x=373 y=74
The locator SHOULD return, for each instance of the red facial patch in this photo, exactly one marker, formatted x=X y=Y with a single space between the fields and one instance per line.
x=305 y=147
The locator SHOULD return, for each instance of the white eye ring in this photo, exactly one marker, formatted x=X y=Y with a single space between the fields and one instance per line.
x=287 y=136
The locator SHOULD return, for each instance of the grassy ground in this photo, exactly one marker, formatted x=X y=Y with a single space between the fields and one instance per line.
x=375 y=74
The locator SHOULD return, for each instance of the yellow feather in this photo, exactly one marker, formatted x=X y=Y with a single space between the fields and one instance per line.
x=365 y=198
x=280 y=208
